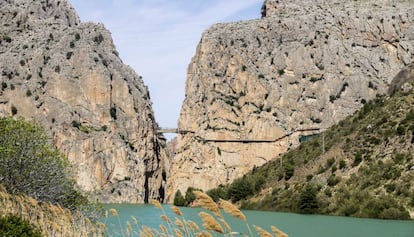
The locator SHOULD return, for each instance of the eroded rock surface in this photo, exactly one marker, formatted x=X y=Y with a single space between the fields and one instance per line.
x=306 y=64
x=67 y=76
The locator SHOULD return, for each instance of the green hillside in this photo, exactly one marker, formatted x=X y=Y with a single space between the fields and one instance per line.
x=361 y=167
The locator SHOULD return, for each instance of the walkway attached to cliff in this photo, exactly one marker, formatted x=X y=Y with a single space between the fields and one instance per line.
x=249 y=140
x=173 y=130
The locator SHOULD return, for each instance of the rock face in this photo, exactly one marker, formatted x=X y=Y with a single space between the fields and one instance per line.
x=254 y=86
x=67 y=76
x=402 y=81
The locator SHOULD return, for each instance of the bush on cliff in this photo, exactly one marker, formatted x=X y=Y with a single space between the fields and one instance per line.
x=11 y=226
x=30 y=165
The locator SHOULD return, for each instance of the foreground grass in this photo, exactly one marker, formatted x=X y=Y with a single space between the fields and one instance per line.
x=51 y=220
x=213 y=222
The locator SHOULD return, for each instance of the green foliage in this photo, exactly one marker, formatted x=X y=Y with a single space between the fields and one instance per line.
x=308 y=202
x=30 y=165
x=76 y=124
x=289 y=171
x=330 y=162
x=333 y=180
x=179 y=200
x=218 y=193
x=240 y=189
x=357 y=159
x=13 y=226
x=190 y=196
x=384 y=208
x=369 y=176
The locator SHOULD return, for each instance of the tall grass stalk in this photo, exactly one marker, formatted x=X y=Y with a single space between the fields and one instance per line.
x=50 y=219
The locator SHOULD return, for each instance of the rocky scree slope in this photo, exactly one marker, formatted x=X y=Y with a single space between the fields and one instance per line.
x=367 y=169
x=67 y=76
x=303 y=65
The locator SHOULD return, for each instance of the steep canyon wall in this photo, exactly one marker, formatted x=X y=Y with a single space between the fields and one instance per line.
x=303 y=65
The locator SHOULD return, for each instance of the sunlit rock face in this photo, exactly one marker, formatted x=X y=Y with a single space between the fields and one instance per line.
x=67 y=76
x=305 y=64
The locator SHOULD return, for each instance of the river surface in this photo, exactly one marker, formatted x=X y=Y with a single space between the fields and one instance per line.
x=295 y=225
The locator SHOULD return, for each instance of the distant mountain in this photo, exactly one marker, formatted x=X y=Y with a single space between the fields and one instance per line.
x=363 y=166
x=255 y=88
x=67 y=76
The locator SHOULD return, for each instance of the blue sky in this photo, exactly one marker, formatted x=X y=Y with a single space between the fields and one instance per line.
x=157 y=38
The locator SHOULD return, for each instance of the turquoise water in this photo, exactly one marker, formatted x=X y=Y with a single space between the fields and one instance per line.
x=293 y=224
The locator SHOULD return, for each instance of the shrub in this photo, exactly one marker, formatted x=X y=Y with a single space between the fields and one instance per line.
x=179 y=199
x=308 y=202
x=98 y=39
x=112 y=112
x=69 y=55
x=240 y=189
x=342 y=164
x=13 y=110
x=7 y=39
x=259 y=182
x=190 y=196
x=218 y=193
x=330 y=162
x=289 y=171
x=357 y=159
x=30 y=165
x=333 y=180
x=76 y=124
x=401 y=130
x=16 y=226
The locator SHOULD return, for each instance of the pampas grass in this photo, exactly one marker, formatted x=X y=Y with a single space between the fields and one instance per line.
x=51 y=220
x=212 y=225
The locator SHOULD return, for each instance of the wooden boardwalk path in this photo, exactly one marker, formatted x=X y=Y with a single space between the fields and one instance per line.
x=249 y=140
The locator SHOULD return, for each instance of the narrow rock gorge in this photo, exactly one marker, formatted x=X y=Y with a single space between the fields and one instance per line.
x=67 y=76
x=256 y=88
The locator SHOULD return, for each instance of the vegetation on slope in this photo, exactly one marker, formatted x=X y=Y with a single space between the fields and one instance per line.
x=16 y=226
x=36 y=185
x=361 y=167
x=30 y=165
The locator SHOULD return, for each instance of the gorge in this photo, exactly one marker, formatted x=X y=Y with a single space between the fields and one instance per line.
x=254 y=90
x=301 y=68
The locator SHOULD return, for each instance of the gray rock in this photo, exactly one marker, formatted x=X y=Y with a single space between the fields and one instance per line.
x=67 y=76
x=403 y=80
x=306 y=64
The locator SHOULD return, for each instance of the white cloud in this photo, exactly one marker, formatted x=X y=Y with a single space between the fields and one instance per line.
x=159 y=37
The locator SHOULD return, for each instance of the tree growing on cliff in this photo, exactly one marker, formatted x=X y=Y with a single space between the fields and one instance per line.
x=308 y=202
x=30 y=165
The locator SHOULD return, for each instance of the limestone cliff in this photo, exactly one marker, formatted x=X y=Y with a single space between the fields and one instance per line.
x=254 y=86
x=67 y=76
